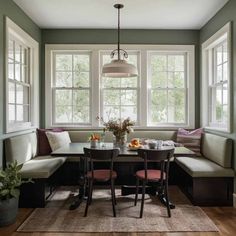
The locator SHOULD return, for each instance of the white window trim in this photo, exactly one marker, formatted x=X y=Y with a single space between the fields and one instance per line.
x=219 y=36
x=17 y=32
x=95 y=78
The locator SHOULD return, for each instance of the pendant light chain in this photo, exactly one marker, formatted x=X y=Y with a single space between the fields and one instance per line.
x=118 y=33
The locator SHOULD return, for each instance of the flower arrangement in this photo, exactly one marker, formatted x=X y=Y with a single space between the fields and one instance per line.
x=119 y=127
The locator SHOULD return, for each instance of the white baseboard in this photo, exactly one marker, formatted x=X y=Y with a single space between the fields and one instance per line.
x=234 y=199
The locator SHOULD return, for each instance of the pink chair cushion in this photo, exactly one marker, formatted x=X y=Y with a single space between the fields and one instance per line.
x=102 y=175
x=153 y=175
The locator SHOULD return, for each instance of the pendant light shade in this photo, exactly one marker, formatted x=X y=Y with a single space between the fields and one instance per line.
x=119 y=67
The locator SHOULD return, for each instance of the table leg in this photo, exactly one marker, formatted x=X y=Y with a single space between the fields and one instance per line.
x=78 y=199
x=162 y=198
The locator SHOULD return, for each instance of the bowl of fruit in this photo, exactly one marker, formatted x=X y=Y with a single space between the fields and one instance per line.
x=135 y=144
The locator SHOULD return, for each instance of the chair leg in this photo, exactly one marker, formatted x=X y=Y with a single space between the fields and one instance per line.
x=136 y=193
x=91 y=193
x=113 y=197
x=114 y=191
x=143 y=195
x=167 y=199
x=88 y=198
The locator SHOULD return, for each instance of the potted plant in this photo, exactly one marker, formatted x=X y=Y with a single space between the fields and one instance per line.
x=10 y=182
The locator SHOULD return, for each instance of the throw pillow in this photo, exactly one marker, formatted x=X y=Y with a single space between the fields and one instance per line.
x=57 y=140
x=43 y=144
x=190 y=139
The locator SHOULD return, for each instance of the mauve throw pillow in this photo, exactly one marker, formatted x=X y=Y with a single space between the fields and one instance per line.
x=190 y=139
x=43 y=144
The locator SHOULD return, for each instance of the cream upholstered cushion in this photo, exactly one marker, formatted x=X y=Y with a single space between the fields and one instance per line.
x=202 y=167
x=41 y=167
x=21 y=148
x=217 y=149
x=57 y=140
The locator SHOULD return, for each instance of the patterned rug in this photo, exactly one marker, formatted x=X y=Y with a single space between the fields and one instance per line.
x=57 y=218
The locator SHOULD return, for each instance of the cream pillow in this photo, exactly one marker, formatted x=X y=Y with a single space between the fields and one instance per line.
x=58 y=139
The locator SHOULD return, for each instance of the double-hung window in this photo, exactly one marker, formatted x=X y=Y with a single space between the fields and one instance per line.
x=218 y=86
x=119 y=96
x=167 y=91
x=18 y=82
x=216 y=80
x=71 y=88
x=22 y=79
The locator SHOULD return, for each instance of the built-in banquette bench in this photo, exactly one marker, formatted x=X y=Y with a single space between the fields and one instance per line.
x=42 y=169
x=207 y=180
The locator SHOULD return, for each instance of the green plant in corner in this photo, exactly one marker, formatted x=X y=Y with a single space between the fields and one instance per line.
x=10 y=182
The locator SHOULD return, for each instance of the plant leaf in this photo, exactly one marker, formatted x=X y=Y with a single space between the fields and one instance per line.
x=4 y=192
x=19 y=167
x=15 y=192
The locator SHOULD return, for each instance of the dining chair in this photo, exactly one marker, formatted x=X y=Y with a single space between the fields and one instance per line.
x=158 y=175
x=100 y=175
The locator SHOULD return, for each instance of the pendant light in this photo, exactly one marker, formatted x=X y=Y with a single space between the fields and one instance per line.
x=119 y=67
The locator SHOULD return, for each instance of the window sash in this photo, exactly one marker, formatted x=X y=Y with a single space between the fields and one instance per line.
x=167 y=88
x=70 y=105
x=72 y=88
x=24 y=82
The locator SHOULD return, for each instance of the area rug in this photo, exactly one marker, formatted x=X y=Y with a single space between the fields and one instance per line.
x=56 y=217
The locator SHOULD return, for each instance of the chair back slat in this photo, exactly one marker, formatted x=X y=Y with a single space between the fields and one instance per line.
x=156 y=155
x=101 y=154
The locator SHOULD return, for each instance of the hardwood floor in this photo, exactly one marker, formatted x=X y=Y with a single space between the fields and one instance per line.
x=223 y=217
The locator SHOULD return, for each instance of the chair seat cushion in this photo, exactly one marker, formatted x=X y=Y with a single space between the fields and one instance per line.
x=102 y=175
x=41 y=167
x=202 y=167
x=153 y=175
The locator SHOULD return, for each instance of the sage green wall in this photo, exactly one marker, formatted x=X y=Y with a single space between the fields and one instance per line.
x=10 y=9
x=226 y=14
x=109 y=36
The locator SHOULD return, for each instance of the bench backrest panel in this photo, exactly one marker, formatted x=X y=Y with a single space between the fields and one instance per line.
x=217 y=149
x=21 y=148
x=82 y=136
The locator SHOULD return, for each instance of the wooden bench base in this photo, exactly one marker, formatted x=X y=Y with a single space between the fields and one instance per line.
x=35 y=194
x=206 y=191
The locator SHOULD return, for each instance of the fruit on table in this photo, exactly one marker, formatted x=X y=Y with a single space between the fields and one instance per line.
x=135 y=143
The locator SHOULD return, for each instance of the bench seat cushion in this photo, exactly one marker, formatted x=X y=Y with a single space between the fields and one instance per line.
x=202 y=167
x=41 y=167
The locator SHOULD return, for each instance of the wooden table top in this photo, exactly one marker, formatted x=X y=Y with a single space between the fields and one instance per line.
x=76 y=150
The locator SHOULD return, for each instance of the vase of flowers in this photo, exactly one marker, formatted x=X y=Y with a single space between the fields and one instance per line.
x=120 y=128
x=94 y=140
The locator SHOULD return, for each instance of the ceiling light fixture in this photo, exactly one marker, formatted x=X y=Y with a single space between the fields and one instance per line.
x=119 y=67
